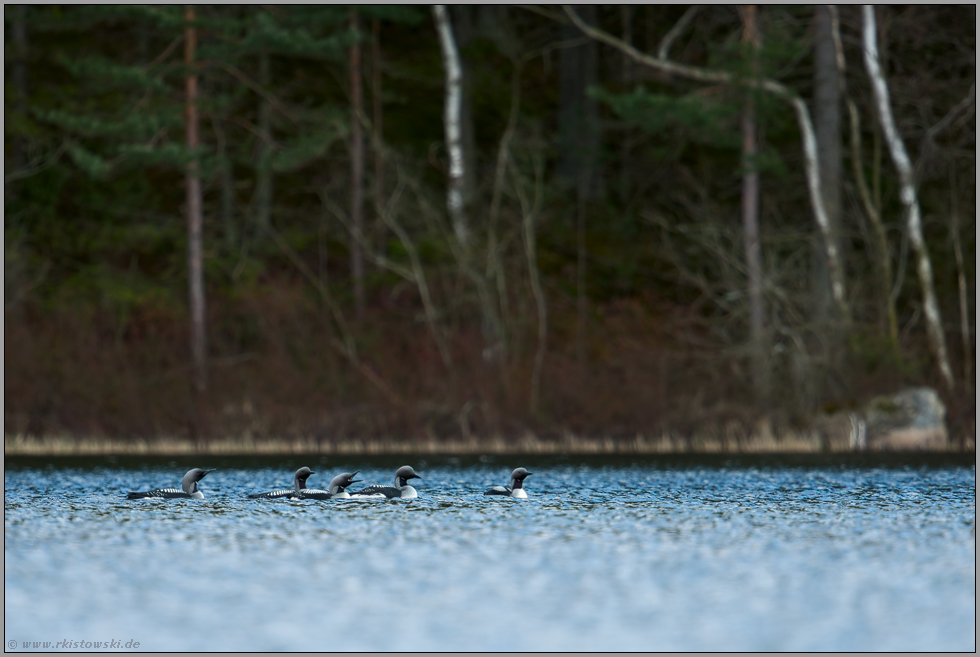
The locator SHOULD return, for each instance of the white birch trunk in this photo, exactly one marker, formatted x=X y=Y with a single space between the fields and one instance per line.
x=453 y=126
x=934 y=323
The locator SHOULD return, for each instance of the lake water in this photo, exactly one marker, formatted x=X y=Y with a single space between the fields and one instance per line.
x=700 y=553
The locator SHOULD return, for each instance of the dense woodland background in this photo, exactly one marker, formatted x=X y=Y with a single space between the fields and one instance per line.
x=598 y=278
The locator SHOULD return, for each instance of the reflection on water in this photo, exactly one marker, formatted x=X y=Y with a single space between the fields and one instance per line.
x=607 y=554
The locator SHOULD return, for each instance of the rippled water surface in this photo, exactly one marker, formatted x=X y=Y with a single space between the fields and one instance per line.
x=607 y=554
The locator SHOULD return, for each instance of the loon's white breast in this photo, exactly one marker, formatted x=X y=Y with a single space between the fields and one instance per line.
x=519 y=494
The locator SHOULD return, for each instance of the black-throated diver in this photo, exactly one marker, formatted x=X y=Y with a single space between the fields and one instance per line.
x=516 y=488
x=401 y=488
x=188 y=483
x=299 y=491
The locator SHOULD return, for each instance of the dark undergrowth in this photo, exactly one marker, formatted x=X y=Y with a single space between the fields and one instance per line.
x=277 y=373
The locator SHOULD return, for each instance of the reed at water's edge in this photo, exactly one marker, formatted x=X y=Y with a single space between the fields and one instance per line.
x=762 y=443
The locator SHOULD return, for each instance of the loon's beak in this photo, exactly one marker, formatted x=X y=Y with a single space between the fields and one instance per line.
x=312 y=473
x=354 y=481
x=207 y=472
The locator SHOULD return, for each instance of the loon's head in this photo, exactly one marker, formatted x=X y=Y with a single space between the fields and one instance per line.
x=342 y=481
x=403 y=474
x=518 y=476
x=301 y=476
x=189 y=482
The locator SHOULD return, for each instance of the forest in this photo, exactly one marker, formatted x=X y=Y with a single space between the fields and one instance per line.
x=339 y=223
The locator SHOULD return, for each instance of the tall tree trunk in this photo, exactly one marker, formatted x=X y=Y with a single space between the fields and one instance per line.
x=826 y=123
x=452 y=118
x=750 y=222
x=578 y=113
x=195 y=219
x=954 y=230
x=356 y=170
x=934 y=324
x=884 y=265
x=263 y=191
x=378 y=137
x=827 y=128
x=872 y=207
x=577 y=167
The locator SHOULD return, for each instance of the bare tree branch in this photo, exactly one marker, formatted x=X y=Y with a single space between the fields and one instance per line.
x=675 y=31
x=254 y=86
x=35 y=168
x=494 y=268
x=802 y=117
x=530 y=211
x=881 y=240
x=350 y=350
x=959 y=109
x=414 y=275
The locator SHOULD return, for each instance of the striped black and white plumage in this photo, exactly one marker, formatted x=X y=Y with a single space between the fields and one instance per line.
x=188 y=484
x=516 y=488
x=299 y=491
x=401 y=489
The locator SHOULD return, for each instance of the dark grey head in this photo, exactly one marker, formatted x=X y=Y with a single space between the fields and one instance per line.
x=189 y=482
x=518 y=476
x=299 y=481
x=403 y=474
x=342 y=481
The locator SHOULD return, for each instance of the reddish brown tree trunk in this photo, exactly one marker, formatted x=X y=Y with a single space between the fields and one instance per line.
x=750 y=225
x=195 y=220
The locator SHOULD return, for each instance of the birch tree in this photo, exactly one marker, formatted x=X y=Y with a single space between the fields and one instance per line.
x=456 y=192
x=452 y=115
x=908 y=195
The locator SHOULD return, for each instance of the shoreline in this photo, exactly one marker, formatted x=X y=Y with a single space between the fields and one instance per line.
x=528 y=444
